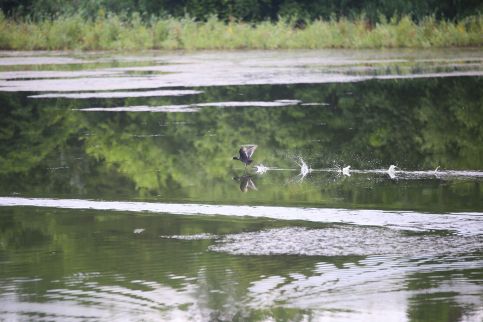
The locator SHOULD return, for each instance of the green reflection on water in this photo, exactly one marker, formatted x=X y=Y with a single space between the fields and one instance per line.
x=49 y=149
x=95 y=259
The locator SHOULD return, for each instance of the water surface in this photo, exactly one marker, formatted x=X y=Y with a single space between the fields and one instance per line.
x=120 y=199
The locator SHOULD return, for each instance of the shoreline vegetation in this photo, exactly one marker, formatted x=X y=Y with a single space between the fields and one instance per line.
x=116 y=32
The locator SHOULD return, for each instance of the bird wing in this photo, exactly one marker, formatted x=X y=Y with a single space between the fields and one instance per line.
x=249 y=150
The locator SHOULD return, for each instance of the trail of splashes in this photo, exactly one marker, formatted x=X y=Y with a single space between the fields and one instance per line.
x=304 y=169
x=392 y=172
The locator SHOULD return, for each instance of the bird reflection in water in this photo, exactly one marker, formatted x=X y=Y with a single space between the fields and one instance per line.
x=246 y=183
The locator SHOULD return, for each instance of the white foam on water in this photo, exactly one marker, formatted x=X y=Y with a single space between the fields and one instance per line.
x=463 y=223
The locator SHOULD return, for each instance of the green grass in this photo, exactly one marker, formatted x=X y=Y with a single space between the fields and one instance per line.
x=111 y=32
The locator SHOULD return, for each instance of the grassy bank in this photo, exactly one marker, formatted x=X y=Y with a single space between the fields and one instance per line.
x=114 y=33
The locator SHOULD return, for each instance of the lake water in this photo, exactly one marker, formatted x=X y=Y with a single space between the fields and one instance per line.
x=120 y=200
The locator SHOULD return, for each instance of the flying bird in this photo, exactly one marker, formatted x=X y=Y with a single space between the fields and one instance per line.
x=246 y=152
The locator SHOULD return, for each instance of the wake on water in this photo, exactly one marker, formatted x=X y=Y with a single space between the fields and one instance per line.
x=393 y=171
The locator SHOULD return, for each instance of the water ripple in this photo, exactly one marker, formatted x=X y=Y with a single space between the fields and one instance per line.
x=80 y=302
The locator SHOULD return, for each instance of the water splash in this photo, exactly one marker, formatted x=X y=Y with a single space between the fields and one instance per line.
x=346 y=171
x=304 y=169
x=261 y=169
x=392 y=171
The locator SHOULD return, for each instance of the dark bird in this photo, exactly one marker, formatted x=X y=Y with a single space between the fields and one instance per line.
x=246 y=152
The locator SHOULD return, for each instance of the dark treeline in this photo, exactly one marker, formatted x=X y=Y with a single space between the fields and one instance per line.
x=247 y=10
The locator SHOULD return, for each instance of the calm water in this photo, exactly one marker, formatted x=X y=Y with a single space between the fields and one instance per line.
x=119 y=198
